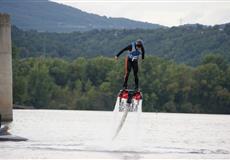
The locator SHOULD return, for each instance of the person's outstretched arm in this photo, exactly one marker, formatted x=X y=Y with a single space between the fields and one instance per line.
x=129 y=47
x=143 y=52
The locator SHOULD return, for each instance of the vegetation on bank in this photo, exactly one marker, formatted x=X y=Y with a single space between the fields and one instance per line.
x=93 y=83
x=75 y=71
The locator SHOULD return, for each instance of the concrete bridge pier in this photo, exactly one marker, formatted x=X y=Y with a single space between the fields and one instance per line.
x=6 y=98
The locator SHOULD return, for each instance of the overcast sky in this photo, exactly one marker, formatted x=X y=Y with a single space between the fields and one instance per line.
x=164 y=12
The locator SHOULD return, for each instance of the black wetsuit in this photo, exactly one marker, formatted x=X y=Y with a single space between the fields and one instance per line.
x=132 y=62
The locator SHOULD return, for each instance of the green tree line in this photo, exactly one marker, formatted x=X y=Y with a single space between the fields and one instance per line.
x=93 y=84
x=183 y=44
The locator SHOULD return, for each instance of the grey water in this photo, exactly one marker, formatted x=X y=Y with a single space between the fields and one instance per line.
x=87 y=135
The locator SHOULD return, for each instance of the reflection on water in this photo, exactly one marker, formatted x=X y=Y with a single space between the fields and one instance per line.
x=87 y=134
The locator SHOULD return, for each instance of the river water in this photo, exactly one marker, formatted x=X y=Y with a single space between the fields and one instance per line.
x=88 y=134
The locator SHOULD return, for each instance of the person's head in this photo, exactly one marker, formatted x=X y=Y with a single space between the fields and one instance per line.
x=139 y=43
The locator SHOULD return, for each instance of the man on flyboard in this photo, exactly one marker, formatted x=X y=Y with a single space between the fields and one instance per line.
x=135 y=49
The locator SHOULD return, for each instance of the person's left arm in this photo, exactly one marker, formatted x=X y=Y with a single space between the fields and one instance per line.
x=142 y=52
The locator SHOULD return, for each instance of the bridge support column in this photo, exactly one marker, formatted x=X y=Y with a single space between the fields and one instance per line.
x=6 y=99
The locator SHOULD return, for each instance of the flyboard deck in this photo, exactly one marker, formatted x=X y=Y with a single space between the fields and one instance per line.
x=127 y=101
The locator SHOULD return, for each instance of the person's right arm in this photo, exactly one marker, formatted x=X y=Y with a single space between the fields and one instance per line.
x=128 y=48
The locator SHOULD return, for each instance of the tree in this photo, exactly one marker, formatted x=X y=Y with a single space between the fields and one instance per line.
x=40 y=85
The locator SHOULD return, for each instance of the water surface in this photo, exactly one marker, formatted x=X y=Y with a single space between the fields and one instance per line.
x=87 y=134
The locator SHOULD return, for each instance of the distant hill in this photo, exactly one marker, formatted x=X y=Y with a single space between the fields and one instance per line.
x=44 y=15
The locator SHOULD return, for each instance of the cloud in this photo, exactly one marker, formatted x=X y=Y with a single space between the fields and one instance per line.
x=167 y=13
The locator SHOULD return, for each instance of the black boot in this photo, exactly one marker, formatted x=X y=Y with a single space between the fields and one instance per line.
x=125 y=87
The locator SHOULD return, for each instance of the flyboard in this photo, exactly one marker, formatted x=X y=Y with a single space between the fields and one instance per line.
x=127 y=101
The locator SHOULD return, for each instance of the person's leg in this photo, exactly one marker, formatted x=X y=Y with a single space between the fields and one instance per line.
x=127 y=71
x=135 y=71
